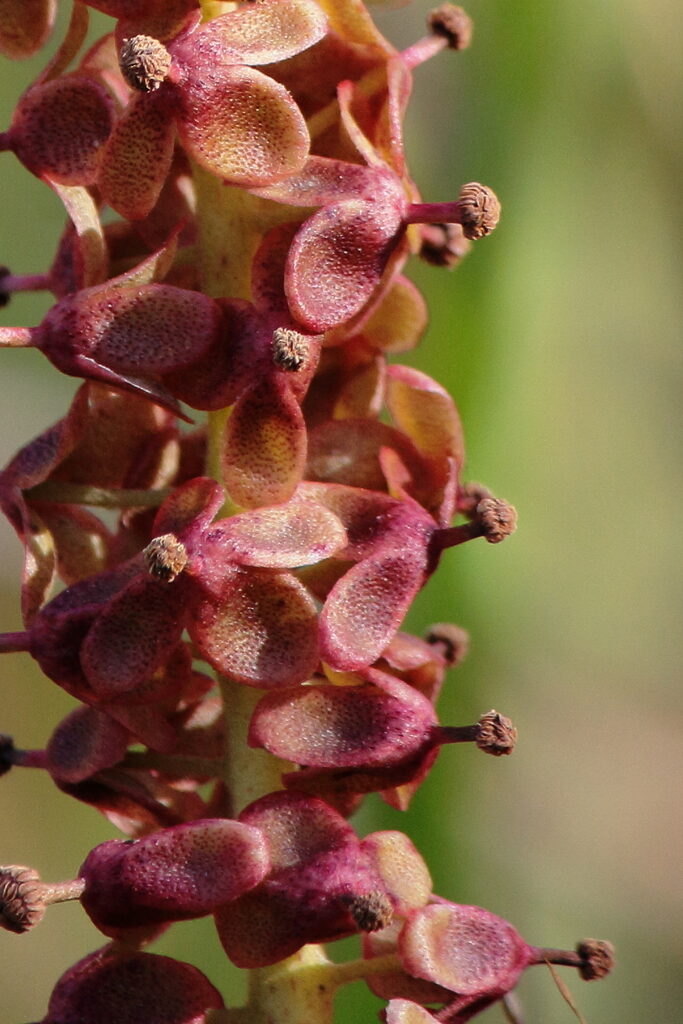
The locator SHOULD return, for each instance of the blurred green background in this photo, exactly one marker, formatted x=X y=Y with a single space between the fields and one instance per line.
x=559 y=338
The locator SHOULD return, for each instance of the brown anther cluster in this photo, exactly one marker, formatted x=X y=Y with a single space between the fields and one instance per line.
x=165 y=557
x=4 y=292
x=372 y=911
x=496 y=734
x=290 y=349
x=443 y=245
x=21 y=904
x=598 y=958
x=480 y=209
x=6 y=753
x=497 y=519
x=469 y=497
x=144 y=63
x=454 y=23
x=453 y=641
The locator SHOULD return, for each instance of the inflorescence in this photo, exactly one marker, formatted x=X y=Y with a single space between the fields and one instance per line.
x=233 y=641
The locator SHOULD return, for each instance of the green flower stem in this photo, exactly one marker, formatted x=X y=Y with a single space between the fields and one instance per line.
x=231 y=225
x=248 y=773
x=295 y=991
x=357 y=970
x=56 y=492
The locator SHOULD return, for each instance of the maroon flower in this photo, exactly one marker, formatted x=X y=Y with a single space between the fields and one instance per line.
x=110 y=333
x=479 y=958
x=175 y=874
x=105 y=638
x=358 y=239
x=233 y=121
x=321 y=883
x=115 y=985
x=25 y=26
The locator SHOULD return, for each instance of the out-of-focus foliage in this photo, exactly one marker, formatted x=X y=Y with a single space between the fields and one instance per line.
x=560 y=343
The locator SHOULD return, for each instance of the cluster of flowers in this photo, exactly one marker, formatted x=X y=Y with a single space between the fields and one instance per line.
x=253 y=271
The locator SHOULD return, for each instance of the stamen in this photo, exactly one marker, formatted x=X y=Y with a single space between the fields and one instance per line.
x=290 y=349
x=165 y=557
x=144 y=62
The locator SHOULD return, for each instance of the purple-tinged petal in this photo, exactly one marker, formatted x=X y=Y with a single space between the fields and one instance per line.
x=338 y=258
x=348 y=452
x=403 y=1011
x=463 y=948
x=177 y=873
x=323 y=182
x=137 y=157
x=280 y=537
x=82 y=541
x=59 y=129
x=257 y=626
x=372 y=520
x=132 y=637
x=319 y=870
x=239 y=355
x=425 y=411
x=403 y=870
x=90 y=251
x=395 y=983
x=190 y=508
x=366 y=607
x=117 y=986
x=263 y=449
x=130 y=330
x=257 y=34
x=400 y=320
x=86 y=741
x=25 y=26
x=242 y=126
x=323 y=726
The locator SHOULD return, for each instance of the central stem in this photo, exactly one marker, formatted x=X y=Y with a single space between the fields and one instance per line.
x=231 y=225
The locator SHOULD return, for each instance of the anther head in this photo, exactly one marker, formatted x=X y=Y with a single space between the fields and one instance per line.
x=597 y=958
x=453 y=23
x=144 y=62
x=21 y=905
x=497 y=519
x=479 y=210
x=290 y=349
x=496 y=734
x=165 y=557
x=370 y=911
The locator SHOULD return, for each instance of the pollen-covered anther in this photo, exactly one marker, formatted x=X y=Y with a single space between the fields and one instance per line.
x=371 y=911
x=469 y=496
x=597 y=958
x=5 y=292
x=496 y=518
x=290 y=349
x=453 y=641
x=443 y=245
x=453 y=23
x=165 y=557
x=496 y=734
x=479 y=210
x=7 y=752
x=144 y=62
x=21 y=903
